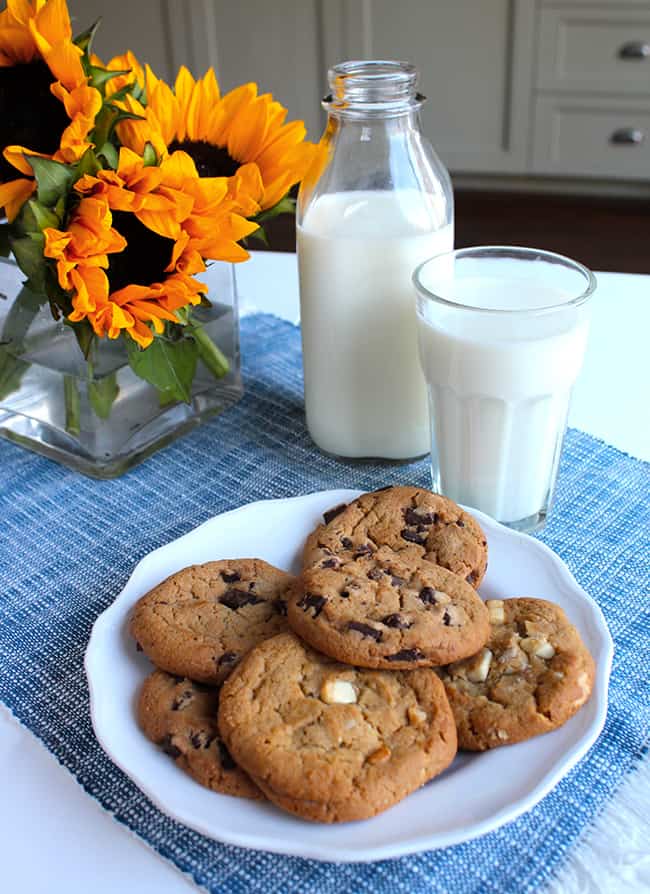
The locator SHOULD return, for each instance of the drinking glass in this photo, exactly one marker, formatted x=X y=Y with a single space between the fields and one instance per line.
x=502 y=333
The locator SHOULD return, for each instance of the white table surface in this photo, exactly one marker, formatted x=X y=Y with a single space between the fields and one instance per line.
x=56 y=839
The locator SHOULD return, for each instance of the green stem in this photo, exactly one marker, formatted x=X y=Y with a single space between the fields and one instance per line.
x=72 y=409
x=210 y=354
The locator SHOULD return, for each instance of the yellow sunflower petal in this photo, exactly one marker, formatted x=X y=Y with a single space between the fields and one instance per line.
x=14 y=194
x=183 y=90
x=163 y=112
x=53 y=21
x=16 y=45
x=15 y=155
x=228 y=108
x=64 y=61
x=247 y=131
x=141 y=334
x=56 y=241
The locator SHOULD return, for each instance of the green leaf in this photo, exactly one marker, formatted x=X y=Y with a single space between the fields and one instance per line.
x=117 y=95
x=260 y=234
x=85 y=40
x=102 y=394
x=87 y=164
x=168 y=366
x=122 y=116
x=28 y=251
x=287 y=205
x=109 y=152
x=53 y=179
x=84 y=334
x=101 y=76
x=149 y=156
x=43 y=217
x=11 y=372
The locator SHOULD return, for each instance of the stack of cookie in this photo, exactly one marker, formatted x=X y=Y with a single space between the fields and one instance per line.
x=337 y=693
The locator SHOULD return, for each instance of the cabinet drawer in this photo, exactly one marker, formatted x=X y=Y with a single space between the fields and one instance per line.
x=591 y=137
x=594 y=50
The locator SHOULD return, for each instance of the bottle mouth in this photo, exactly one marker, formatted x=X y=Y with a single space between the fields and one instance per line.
x=380 y=86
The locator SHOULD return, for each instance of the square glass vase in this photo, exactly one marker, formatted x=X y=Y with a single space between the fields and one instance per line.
x=96 y=415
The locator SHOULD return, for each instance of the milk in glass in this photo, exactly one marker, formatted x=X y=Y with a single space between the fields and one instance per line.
x=499 y=388
x=365 y=394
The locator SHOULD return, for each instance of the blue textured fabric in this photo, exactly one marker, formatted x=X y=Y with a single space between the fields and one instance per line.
x=68 y=545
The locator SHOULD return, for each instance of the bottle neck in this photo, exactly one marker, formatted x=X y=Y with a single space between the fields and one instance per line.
x=374 y=90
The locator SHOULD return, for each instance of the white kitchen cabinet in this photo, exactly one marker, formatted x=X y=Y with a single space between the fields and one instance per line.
x=516 y=89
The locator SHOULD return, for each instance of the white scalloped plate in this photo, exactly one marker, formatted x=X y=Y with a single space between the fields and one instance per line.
x=477 y=794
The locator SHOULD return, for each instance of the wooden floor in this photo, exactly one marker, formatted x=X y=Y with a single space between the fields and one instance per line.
x=604 y=234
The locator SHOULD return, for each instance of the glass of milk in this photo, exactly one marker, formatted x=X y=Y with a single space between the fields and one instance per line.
x=377 y=203
x=502 y=334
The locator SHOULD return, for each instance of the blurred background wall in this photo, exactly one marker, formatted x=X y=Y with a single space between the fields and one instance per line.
x=539 y=108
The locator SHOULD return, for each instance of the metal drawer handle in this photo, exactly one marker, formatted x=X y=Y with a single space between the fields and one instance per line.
x=634 y=49
x=627 y=136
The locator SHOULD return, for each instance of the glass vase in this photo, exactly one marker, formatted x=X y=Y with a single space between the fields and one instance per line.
x=95 y=414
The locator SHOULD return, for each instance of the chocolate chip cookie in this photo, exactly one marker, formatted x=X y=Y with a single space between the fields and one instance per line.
x=409 y=520
x=200 y=621
x=531 y=677
x=388 y=611
x=181 y=717
x=331 y=742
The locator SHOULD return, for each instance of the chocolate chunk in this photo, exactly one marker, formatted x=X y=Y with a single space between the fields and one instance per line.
x=178 y=679
x=375 y=574
x=345 y=594
x=182 y=701
x=413 y=517
x=364 y=550
x=310 y=600
x=397 y=581
x=366 y=630
x=396 y=620
x=235 y=599
x=414 y=537
x=332 y=513
x=407 y=655
x=202 y=739
x=460 y=523
x=280 y=606
x=330 y=563
x=346 y=542
x=446 y=619
x=428 y=595
x=227 y=763
x=230 y=577
x=226 y=658
x=471 y=578
x=169 y=748
x=138 y=647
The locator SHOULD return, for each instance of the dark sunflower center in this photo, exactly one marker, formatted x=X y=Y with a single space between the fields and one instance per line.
x=210 y=161
x=29 y=115
x=145 y=257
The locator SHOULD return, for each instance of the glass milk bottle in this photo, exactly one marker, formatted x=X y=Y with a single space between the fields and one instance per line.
x=378 y=204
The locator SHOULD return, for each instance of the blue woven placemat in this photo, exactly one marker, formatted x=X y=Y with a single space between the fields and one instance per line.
x=68 y=545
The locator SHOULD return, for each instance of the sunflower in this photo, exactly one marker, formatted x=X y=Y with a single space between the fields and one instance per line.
x=45 y=102
x=80 y=107
x=36 y=50
x=135 y=240
x=222 y=134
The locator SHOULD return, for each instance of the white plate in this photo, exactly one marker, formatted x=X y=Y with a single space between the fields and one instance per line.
x=477 y=794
